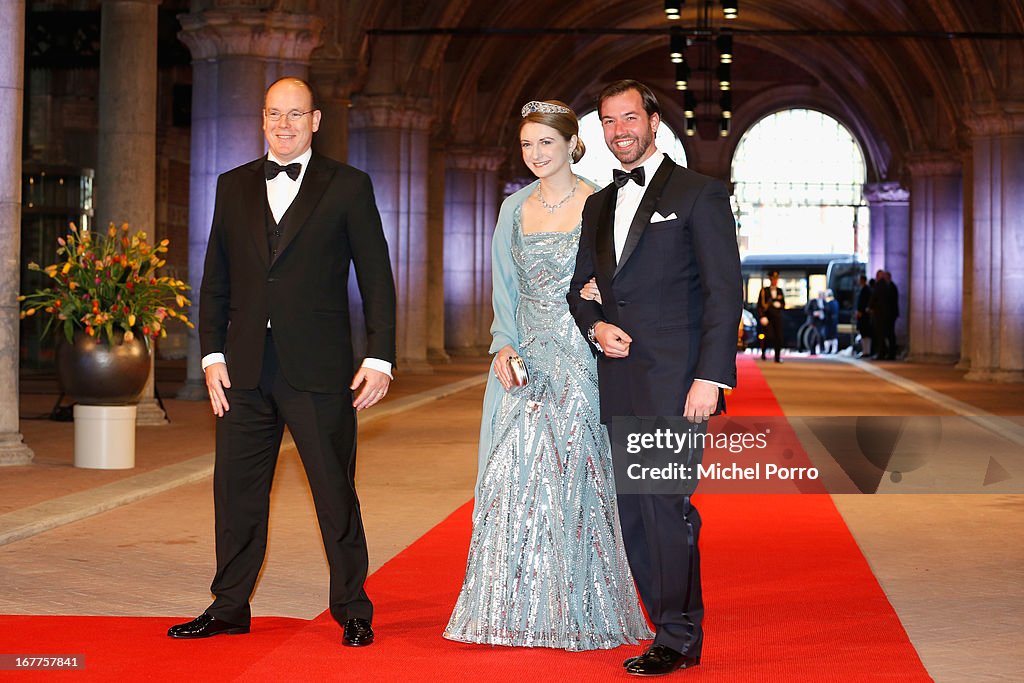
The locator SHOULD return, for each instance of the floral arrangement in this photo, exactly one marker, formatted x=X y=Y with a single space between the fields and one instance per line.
x=107 y=283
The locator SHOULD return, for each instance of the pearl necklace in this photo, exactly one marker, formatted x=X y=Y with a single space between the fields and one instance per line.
x=551 y=207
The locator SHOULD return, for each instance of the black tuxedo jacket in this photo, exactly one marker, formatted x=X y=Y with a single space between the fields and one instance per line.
x=766 y=307
x=332 y=223
x=676 y=291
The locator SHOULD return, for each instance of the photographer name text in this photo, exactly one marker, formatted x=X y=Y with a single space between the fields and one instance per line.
x=726 y=472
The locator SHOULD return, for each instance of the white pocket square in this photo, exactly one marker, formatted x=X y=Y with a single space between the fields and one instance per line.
x=658 y=218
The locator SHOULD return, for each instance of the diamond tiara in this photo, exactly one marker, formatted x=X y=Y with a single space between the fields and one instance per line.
x=544 y=108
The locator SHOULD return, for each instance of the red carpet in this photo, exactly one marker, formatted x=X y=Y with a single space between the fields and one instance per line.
x=789 y=598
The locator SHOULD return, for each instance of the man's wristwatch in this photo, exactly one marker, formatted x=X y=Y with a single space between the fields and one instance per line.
x=590 y=332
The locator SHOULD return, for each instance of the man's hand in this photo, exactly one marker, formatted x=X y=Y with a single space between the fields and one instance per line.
x=701 y=402
x=375 y=387
x=613 y=341
x=217 y=381
x=501 y=369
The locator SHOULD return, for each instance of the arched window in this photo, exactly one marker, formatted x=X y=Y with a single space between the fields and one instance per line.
x=598 y=162
x=798 y=180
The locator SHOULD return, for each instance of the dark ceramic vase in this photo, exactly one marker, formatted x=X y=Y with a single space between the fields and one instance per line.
x=94 y=372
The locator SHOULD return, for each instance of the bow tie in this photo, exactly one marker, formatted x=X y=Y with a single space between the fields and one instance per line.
x=272 y=168
x=620 y=177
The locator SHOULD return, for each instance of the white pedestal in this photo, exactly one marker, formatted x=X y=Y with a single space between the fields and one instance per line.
x=105 y=437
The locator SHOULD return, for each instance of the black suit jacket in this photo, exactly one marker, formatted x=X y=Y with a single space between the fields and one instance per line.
x=676 y=291
x=766 y=307
x=332 y=223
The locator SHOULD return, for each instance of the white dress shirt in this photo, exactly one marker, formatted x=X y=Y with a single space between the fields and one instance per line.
x=627 y=201
x=281 y=192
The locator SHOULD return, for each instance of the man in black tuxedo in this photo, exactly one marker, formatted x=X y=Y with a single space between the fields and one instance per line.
x=661 y=242
x=277 y=350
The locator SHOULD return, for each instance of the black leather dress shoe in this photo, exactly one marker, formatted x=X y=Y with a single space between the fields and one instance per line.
x=357 y=633
x=205 y=626
x=660 y=660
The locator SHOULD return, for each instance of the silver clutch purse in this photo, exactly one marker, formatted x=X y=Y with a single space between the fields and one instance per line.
x=520 y=375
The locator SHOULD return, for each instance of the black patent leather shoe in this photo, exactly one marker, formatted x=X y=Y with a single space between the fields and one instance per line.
x=660 y=660
x=357 y=633
x=205 y=626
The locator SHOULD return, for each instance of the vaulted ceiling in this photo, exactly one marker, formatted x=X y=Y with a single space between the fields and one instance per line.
x=899 y=95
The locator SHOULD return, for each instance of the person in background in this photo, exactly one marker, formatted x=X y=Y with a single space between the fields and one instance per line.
x=863 y=316
x=831 y=326
x=770 y=303
x=894 y=313
x=815 y=311
x=880 y=308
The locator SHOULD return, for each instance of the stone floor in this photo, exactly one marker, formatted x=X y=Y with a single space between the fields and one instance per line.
x=139 y=542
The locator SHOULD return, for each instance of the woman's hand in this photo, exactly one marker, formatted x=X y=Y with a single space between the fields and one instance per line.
x=501 y=368
x=590 y=291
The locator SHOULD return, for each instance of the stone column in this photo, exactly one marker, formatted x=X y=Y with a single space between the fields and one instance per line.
x=236 y=54
x=436 y=216
x=997 y=326
x=889 y=241
x=13 y=450
x=967 y=273
x=389 y=138
x=471 y=209
x=126 y=164
x=936 y=258
x=332 y=77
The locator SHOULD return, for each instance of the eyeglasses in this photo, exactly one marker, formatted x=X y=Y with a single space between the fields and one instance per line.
x=293 y=116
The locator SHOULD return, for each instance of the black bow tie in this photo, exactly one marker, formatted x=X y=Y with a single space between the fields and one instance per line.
x=620 y=177
x=272 y=168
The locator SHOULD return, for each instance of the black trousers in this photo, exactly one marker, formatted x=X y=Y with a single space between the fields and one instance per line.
x=248 y=441
x=884 y=339
x=661 y=533
x=772 y=335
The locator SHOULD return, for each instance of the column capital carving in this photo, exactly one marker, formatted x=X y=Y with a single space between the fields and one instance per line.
x=1007 y=119
x=245 y=32
x=933 y=164
x=475 y=158
x=334 y=78
x=887 y=192
x=390 y=111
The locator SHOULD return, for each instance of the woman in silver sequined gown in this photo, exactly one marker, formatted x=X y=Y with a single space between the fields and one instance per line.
x=546 y=565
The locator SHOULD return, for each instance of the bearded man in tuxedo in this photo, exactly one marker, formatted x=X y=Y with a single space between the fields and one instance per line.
x=661 y=243
x=277 y=350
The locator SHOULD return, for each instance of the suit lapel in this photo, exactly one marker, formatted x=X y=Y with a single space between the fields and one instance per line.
x=646 y=209
x=604 y=240
x=254 y=214
x=314 y=184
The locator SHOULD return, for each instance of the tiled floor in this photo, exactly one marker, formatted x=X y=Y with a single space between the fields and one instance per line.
x=952 y=565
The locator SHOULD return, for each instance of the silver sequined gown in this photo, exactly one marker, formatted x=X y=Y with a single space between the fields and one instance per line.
x=546 y=565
